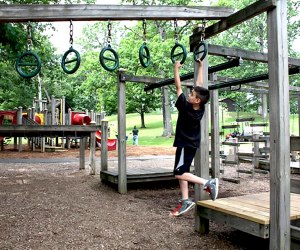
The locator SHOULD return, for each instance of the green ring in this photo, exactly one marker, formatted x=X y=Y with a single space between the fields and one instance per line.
x=145 y=55
x=20 y=63
x=63 y=61
x=183 y=53
x=204 y=51
x=115 y=59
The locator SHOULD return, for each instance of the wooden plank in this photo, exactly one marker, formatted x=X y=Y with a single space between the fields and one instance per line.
x=241 y=224
x=254 y=207
x=241 y=213
x=238 y=17
x=94 y=12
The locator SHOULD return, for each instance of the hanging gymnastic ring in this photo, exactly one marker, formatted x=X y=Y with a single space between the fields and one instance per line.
x=198 y=50
x=183 y=53
x=64 y=62
x=37 y=62
x=144 y=53
x=115 y=59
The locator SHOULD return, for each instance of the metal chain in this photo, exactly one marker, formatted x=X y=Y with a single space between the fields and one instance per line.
x=203 y=30
x=175 y=31
x=145 y=30
x=29 y=40
x=71 y=33
x=109 y=32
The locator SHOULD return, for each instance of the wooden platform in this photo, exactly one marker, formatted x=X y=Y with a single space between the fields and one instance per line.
x=248 y=213
x=139 y=175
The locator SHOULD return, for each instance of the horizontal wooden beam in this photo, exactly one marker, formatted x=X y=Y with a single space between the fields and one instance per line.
x=238 y=17
x=94 y=12
x=47 y=130
x=217 y=50
x=262 y=85
x=237 y=82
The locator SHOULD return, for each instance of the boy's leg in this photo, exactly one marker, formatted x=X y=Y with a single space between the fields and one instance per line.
x=184 y=189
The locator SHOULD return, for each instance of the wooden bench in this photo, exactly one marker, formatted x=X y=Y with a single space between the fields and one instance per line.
x=248 y=213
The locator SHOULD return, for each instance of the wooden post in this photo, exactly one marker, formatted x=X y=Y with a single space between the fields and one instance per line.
x=280 y=127
x=202 y=156
x=256 y=153
x=82 y=153
x=122 y=173
x=215 y=132
x=298 y=98
x=104 y=148
x=63 y=118
x=93 y=153
x=19 y=122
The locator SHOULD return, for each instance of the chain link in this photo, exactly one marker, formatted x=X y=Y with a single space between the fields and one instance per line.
x=145 y=30
x=109 y=32
x=29 y=40
x=175 y=31
x=71 y=33
x=203 y=29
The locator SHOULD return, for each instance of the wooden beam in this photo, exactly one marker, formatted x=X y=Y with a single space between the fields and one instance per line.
x=94 y=12
x=217 y=50
x=247 y=13
x=262 y=85
x=47 y=130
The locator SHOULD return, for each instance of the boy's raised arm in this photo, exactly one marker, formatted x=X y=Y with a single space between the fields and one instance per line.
x=177 y=65
x=199 y=81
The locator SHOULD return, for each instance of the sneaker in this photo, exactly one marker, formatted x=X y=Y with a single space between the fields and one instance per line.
x=182 y=208
x=212 y=187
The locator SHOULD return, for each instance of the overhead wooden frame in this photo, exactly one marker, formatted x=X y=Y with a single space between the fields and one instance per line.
x=243 y=15
x=94 y=12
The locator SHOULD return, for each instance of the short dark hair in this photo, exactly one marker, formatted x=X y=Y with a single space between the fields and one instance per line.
x=202 y=94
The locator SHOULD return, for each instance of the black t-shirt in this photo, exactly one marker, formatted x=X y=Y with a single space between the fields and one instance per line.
x=188 y=124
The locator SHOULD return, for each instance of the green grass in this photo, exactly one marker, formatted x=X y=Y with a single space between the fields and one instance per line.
x=152 y=134
x=149 y=136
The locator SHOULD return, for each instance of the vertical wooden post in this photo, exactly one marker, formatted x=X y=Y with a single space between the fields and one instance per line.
x=280 y=125
x=201 y=161
x=63 y=118
x=215 y=131
x=92 y=153
x=104 y=148
x=82 y=153
x=19 y=122
x=298 y=98
x=122 y=172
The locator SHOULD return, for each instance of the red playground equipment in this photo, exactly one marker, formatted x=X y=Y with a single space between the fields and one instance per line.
x=80 y=119
x=111 y=143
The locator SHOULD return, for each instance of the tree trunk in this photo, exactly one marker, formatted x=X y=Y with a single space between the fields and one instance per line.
x=143 y=119
x=167 y=119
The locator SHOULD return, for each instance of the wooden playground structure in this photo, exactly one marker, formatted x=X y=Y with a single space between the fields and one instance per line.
x=277 y=216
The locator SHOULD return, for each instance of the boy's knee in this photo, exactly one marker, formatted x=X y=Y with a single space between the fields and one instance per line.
x=178 y=171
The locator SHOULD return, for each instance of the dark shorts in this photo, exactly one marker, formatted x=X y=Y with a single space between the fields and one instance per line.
x=183 y=160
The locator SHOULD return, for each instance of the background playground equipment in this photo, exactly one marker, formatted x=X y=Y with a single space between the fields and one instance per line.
x=111 y=142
